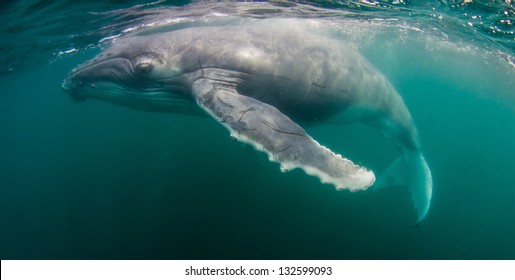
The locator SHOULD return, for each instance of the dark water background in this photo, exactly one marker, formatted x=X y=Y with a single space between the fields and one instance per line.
x=97 y=181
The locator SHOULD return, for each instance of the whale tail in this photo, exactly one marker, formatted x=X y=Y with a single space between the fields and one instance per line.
x=411 y=169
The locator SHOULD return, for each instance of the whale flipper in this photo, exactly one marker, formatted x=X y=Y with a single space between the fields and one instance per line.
x=285 y=142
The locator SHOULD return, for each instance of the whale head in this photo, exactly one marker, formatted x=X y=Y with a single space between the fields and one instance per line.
x=137 y=72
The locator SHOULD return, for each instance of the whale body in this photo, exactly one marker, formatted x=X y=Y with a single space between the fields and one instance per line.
x=261 y=81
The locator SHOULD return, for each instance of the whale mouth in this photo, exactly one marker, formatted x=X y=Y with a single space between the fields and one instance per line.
x=114 y=76
x=114 y=81
x=87 y=75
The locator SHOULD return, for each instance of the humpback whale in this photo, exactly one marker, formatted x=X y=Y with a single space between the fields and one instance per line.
x=262 y=82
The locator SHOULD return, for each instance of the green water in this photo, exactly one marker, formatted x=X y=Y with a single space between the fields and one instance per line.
x=93 y=180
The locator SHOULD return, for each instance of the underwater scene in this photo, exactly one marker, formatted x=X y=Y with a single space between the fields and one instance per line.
x=257 y=130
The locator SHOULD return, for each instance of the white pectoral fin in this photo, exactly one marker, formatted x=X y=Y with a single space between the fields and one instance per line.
x=285 y=142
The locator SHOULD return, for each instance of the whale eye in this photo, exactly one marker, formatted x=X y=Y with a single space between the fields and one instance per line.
x=143 y=68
